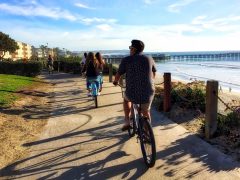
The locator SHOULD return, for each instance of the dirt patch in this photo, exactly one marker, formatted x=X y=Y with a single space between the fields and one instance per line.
x=23 y=122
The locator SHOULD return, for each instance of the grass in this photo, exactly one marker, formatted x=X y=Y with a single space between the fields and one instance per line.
x=9 y=85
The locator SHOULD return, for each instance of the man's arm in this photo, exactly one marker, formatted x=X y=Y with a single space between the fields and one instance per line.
x=116 y=79
x=121 y=71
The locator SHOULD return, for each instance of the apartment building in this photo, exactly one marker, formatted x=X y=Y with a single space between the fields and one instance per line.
x=43 y=53
x=24 y=52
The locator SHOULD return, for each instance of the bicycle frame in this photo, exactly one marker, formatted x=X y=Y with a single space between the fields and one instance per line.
x=136 y=115
x=94 y=88
x=94 y=91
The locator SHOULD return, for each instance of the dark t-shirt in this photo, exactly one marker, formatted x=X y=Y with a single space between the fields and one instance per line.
x=139 y=83
x=50 y=61
x=91 y=71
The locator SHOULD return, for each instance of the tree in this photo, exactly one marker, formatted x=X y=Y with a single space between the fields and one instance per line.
x=7 y=44
x=56 y=51
x=44 y=50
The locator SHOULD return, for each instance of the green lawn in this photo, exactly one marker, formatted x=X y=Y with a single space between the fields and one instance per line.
x=9 y=84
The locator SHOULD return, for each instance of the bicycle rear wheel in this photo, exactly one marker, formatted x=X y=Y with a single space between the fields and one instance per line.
x=132 y=130
x=96 y=101
x=147 y=142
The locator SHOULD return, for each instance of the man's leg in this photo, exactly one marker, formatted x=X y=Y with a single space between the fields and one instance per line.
x=146 y=113
x=127 y=109
x=146 y=109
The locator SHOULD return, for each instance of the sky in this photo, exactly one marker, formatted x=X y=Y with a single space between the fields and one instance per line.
x=163 y=25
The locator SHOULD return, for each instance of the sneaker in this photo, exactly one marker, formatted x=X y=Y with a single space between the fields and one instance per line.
x=126 y=127
x=89 y=94
x=98 y=93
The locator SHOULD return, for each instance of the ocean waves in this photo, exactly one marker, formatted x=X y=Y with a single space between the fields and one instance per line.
x=226 y=72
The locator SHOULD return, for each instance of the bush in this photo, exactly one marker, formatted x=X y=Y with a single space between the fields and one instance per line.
x=30 y=68
x=67 y=66
x=106 y=69
x=227 y=122
x=191 y=95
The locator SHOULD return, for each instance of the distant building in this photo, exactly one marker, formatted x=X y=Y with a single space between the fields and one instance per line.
x=27 y=51
x=24 y=52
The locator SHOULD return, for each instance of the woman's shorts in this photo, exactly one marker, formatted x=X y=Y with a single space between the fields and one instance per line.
x=97 y=79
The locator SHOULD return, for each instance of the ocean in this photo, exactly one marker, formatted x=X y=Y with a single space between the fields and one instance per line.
x=226 y=72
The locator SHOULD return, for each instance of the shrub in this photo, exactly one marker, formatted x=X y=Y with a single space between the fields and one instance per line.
x=106 y=69
x=30 y=68
x=67 y=66
x=191 y=95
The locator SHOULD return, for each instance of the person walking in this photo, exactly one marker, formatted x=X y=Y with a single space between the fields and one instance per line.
x=140 y=71
x=84 y=59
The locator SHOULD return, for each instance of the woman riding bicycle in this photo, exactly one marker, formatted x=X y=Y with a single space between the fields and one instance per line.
x=92 y=71
x=101 y=66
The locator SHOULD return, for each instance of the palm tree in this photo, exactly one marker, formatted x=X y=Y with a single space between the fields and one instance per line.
x=44 y=50
x=56 y=51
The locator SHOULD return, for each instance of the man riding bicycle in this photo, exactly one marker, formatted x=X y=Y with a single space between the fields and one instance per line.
x=140 y=71
x=50 y=64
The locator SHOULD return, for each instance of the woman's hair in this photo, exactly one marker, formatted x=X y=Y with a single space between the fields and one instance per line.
x=99 y=58
x=91 y=57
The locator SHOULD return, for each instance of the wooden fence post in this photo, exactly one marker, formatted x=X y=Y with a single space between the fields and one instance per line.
x=110 y=72
x=211 y=108
x=167 y=92
x=58 y=66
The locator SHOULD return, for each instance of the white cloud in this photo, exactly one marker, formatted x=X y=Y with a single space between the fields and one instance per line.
x=176 y=7
x=65 y=34
x=226 y=24
x=149 y=1
x=104 y=27
x=54 y=13
x=83 y=6
x=156 y=38
x=173 y=37
x=98 y=20
x=38 y=10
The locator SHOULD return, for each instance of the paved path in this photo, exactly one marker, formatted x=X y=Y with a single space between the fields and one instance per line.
x=81 y=142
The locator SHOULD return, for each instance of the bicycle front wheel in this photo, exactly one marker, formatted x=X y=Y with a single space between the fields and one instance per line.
x=147 y=142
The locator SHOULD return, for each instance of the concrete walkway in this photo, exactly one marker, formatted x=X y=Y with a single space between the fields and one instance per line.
x=81 y=142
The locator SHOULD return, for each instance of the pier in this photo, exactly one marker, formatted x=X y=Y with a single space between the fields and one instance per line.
x=210 y=56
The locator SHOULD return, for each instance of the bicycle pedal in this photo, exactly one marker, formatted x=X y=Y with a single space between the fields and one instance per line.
x=137 y=138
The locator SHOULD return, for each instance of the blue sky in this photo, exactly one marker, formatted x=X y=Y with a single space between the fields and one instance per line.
x=164 y=25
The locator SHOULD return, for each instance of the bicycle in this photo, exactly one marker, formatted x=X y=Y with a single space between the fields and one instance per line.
x=141 y=127
x=50 y=69
x=94 y=91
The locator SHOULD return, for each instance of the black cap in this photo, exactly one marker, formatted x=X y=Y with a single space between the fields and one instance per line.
x=139 y=45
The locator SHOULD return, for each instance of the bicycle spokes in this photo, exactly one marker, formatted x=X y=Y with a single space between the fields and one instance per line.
x=147 y=141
